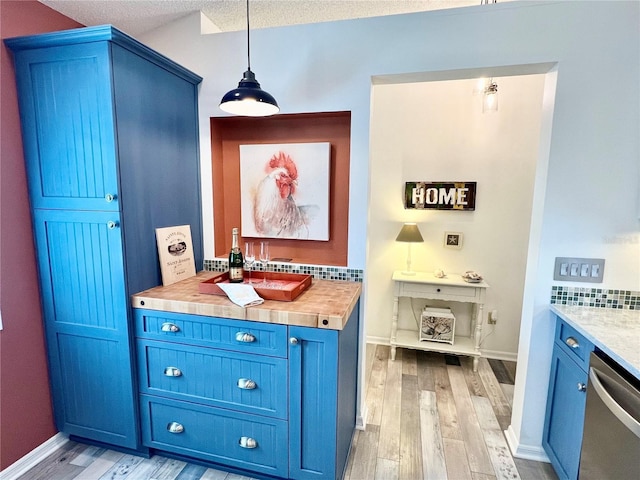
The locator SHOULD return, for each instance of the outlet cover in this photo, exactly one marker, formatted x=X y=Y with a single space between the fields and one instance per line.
x=569 y=269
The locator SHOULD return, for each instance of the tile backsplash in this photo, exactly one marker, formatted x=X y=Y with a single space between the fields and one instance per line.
x=316 y=271
x=595 y=297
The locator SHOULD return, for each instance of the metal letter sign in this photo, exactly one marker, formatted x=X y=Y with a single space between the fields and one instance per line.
x=440 y=195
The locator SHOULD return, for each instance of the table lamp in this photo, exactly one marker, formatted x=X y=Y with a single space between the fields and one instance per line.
x=410 y=234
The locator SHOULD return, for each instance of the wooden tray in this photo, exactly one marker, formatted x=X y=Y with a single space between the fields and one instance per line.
x=284 y=287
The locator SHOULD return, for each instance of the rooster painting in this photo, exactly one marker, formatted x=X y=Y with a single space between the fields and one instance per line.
x=279 y=206
x=275 y=212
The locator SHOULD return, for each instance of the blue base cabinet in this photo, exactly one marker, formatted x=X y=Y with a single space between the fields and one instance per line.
x=265 y=400
x=566 y=401
x=322 y=403
x=110 y=140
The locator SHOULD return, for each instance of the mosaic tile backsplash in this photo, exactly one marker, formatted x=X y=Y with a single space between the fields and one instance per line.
x=316 y=271
x=595 y=297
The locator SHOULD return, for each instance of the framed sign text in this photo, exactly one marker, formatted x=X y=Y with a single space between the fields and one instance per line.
x=440 y=195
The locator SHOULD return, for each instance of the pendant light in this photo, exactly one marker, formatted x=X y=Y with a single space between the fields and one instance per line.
x=249 y=99
x=490 y=98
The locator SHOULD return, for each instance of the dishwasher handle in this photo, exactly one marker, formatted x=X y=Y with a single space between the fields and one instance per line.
x=621 y=414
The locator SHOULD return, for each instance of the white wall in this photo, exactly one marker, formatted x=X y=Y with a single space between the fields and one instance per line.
x=588 y=207
x=436 y=131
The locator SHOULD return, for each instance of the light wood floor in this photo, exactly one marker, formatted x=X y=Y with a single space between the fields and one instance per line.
x=432 y=417
x=428 y=419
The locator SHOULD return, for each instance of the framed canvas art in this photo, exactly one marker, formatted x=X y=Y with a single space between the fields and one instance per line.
x=284 y=190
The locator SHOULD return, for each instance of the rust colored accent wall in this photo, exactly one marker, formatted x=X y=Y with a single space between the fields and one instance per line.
x=26 y=419
x=227 y=133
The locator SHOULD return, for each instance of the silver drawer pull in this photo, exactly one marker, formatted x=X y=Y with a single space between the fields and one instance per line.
x=582 y=387
x=247 y=442
x=293 y=341
x=173 y=372
x=175 y=427
x=111 y=224
x=245 y=337
x=246 y=384
x=110 y=197
x=170 y=327
x=572 y=342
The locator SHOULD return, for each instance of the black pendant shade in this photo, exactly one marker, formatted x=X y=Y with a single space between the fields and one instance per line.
x=249 y=99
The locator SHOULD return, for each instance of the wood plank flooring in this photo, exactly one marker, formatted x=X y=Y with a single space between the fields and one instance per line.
x=430 y=417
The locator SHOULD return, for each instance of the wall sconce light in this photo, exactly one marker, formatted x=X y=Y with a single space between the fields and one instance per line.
x=490 y=97
x=409 y=234
x=249 y=99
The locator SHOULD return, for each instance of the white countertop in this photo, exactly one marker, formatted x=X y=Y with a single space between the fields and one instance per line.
x=614 y=331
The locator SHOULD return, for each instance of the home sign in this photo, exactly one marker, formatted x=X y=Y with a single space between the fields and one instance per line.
x=440 y=195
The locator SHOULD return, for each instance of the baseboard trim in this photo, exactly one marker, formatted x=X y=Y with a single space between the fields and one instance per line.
x=34 y=457
x=526 y=452
x=500 y=355
x=378 y=340
x=361 y=420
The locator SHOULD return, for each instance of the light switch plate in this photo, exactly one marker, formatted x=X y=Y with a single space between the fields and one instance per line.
x=569 y=269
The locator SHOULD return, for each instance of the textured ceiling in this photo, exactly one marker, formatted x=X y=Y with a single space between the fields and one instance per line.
x=138 y=16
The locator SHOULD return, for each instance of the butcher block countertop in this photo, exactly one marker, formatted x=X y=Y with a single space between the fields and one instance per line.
x=325 y=304
x=616 y=332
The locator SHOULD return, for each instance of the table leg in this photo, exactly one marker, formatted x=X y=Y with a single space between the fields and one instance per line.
x=394 y=327
x=479 y=308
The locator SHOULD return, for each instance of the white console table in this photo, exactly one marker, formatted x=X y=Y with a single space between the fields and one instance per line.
x=451 y=288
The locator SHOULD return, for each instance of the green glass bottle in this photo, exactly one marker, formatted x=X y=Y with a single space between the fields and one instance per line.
x=236 y=262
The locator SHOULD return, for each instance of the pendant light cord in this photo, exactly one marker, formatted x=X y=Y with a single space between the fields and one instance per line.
x=248 y=42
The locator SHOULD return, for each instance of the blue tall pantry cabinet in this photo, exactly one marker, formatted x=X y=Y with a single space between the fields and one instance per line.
x=110 y=132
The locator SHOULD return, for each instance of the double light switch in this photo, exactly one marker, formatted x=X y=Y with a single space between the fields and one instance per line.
x=579 y=269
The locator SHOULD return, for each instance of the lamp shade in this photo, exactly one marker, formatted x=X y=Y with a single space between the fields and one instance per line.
x=409 y=233
x=249 y=99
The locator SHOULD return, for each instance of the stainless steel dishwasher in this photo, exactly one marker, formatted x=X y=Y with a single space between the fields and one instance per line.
x=611 y=439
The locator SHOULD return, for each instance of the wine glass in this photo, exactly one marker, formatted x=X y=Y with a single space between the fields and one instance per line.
x=249 y=257
x=264 y=259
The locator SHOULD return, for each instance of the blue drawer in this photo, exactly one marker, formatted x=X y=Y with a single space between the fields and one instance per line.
x=216 y=435
x=249 y=383
x=573 y=343
x=229 y=334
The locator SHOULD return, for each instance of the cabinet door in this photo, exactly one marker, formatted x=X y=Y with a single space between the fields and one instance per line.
x=67 y=125
x=313 y=370
x=564 y=420
x=157 y=129
x=85 y=311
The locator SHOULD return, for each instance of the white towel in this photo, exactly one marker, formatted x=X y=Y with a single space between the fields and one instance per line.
x=241 y=294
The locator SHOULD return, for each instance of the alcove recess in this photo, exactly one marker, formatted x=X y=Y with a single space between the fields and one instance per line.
x=228 y=133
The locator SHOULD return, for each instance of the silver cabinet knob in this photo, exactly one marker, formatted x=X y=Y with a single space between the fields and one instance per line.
x=111 y=224
x=245 y=337
x=246 y=384
x=293 y=341
x=582 y=387
x=172 y=372
x=572 y=342
x=170 y=327
x=110 y=197
x=247 y=442
x=175 y=427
